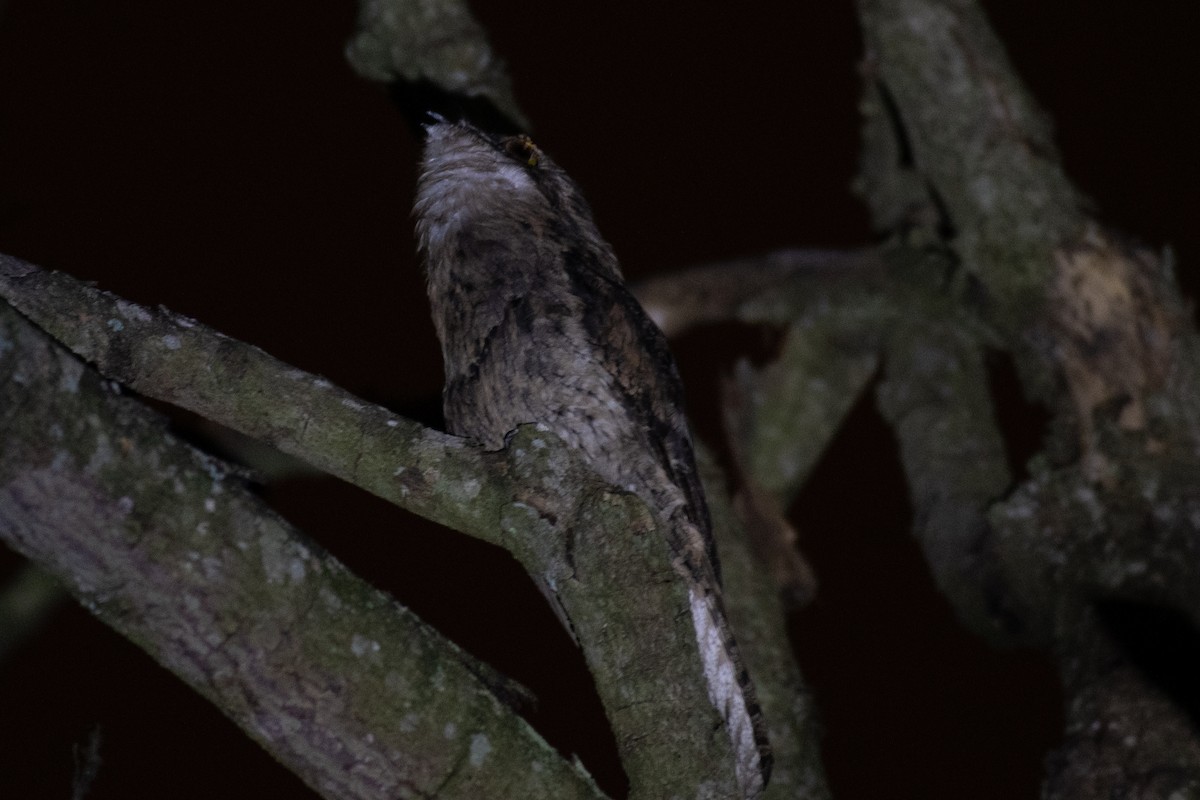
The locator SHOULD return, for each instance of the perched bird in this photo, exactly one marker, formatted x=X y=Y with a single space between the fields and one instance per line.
x=537 y=325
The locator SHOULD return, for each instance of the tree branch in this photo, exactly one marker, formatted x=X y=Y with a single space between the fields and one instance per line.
x=169 y=357
x=570 y=531
x=435 y=44
x=780 y=418
x=935 y=394
x=1124 y=736
x=351 y=691
x=626 y=609
x=777 y=288
x=959 y=165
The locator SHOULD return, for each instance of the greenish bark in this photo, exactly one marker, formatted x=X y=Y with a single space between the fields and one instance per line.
x=628 y=610
x=935 y=393
x=172 y=358
x=958 y=164
x=435 y=41
x=352 y=692
x=990 y=251
x=940 y=83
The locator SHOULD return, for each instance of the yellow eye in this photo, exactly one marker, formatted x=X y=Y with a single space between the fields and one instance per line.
x=522 y=148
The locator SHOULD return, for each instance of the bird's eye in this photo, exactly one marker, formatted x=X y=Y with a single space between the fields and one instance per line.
x=523 y=149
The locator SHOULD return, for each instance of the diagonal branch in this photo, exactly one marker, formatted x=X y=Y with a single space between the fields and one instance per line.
x=598 y=549
x=352 y=692
x=169 y=357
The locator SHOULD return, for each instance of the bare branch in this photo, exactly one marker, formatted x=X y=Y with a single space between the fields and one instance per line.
x=172 y=358
x=960 y=165
x=776 y=287
x=976 y=138
x=936 y=396
x=352 y=692
x=780 y=418
x=431 y=41
x=1124 y=736
x=534 y=498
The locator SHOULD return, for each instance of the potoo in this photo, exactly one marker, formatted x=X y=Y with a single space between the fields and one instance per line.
x=537 y=326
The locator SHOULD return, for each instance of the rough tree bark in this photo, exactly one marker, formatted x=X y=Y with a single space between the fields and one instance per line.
x=989 y=253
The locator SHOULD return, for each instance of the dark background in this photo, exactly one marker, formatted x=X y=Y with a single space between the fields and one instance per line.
x=221 y=159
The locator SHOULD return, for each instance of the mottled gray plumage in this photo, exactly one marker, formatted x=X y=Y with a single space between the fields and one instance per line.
x=537 y=325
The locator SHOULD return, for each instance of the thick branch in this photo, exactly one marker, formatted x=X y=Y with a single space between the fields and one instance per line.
x=169 y=357
x=936 y=396
x=431 y=42
x=1097 y=329
x=942 y=84
x=352 y=692
x=629 y=610
x=601 y=555
x=781 y=417
x=1124 y=736
x=959 y=162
